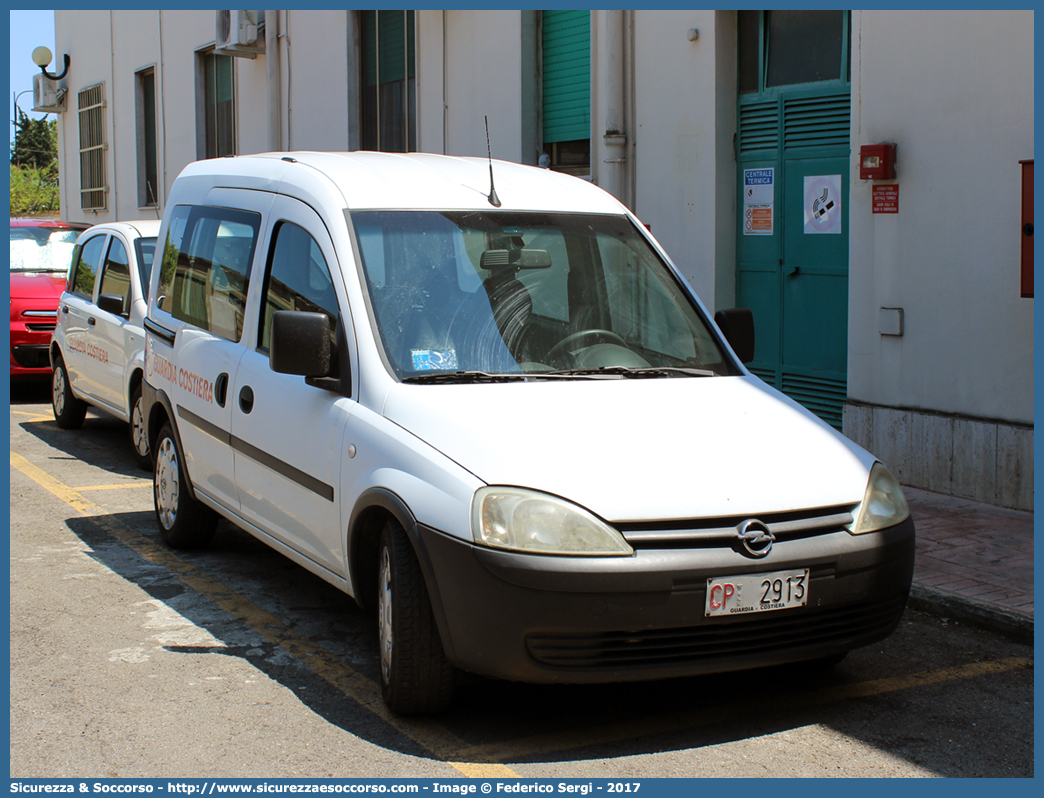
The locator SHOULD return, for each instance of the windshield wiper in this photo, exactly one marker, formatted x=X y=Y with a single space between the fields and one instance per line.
x=635 y=373
x=463 y=377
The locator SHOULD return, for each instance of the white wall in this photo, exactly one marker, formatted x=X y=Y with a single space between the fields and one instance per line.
x=314 y=83
x=954 y=90
x=318 y=82
x=431 y=116
x=483 y=78
x=685 y=103
x=88 y=66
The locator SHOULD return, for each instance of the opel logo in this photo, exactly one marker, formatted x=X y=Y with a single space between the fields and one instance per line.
x=757 y=539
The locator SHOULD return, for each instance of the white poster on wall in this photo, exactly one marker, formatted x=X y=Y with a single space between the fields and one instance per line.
x=759 y=190
x=823 y=204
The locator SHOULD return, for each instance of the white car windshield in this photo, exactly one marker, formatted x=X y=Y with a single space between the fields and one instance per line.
x=462 y=295
x=42 y=249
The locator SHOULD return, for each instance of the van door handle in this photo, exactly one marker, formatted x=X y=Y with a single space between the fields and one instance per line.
x=91 y=320
x=246 y=399
x=65 y=309
x=221 y=388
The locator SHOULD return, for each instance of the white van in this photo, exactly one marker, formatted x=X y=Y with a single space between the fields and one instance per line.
x=498 y=415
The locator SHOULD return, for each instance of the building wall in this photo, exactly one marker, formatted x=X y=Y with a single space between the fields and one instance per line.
x=314 y=51
x=685 y=108
x=316 y=54
x=950 y=402
x=483 y=78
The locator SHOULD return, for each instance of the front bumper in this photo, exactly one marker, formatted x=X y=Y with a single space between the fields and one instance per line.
x=548 y=619
x=30 y=349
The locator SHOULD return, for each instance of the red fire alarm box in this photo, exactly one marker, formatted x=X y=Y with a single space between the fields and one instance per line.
x=877 y=162
x=1027 y=228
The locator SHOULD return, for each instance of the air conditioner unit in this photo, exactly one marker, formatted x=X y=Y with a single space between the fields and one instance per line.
x=47 y=97
x=240 y=33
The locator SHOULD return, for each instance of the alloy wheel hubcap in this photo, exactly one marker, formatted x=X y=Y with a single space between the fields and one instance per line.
x=165 y=483
x=58 y=390
x=141 y=442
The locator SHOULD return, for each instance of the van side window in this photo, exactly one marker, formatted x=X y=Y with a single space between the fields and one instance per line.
x=297 y=279
x=205 y=270
x=116 y=276
x=87 y=264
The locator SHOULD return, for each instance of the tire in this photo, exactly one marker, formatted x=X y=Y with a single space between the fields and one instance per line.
x=184 y=522
x=416 y=677
x=69 y=411
x=139 y=432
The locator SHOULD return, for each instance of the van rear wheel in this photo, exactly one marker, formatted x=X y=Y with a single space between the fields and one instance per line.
x=416 y=677
x=184 y=522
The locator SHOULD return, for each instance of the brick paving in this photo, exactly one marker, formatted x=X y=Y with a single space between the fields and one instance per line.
x=973 y=556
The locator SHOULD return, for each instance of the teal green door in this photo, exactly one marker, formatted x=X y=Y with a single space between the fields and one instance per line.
x=792 y=267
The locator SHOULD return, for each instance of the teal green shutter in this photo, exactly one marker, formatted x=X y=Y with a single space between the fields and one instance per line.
x=567 y=75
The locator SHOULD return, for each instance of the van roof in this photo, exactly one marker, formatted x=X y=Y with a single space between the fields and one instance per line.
x=370 y=180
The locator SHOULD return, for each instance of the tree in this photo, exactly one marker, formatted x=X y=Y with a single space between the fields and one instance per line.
x=32 y=192
x=34 y=166
x=36 y=142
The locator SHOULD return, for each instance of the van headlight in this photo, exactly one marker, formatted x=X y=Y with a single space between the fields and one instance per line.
x=525 y=520
x=883 y=504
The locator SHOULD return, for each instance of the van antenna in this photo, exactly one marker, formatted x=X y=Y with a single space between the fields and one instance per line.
x=494 y=200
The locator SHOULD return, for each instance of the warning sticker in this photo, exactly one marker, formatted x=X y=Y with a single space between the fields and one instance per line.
x=823 y=204
x=886 y=198
x=759 y=192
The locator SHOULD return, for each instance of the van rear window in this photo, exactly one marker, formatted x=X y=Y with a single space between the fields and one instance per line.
x=205 y=271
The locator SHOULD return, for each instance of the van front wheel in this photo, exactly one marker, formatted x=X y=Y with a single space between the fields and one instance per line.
x=416 y=677
x=184 y=522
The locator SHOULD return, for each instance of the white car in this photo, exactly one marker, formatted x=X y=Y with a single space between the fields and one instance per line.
x=97 y=350
x=477 y=397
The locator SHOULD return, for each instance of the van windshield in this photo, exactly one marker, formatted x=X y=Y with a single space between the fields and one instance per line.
x=457 y=294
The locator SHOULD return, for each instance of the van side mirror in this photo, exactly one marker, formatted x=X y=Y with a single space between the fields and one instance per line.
x=112 y=303
x=300 y=343
x=737 y=325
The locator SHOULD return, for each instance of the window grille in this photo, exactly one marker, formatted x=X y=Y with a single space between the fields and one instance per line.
x=91 y=107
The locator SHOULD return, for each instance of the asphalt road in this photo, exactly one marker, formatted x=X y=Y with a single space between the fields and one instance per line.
x=131 y=660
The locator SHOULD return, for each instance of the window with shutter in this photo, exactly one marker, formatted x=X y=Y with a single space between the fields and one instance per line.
x=566 y=44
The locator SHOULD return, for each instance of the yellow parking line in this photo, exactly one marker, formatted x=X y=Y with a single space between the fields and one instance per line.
x=142 y=484
x=33 y=416
x=429 y=734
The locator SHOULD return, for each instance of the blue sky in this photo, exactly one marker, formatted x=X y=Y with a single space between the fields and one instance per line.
x=29 y=29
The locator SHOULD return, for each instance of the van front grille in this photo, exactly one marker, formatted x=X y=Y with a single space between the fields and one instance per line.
x=721 y=531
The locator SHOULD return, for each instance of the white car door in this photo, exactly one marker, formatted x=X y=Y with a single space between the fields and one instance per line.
x=287 y=435
x=75 y=308
x=112 y=338
x=196 y=338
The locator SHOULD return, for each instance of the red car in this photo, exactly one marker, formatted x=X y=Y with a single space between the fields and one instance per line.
x=41 y=251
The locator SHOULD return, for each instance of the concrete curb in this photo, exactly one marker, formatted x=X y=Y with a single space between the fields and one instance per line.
x=1014 y=625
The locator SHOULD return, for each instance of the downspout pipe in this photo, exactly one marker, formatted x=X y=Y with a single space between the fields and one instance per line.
x=273 y=79
x=630 y=113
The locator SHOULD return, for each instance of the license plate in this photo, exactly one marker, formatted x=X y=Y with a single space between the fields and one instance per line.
x=735 y=595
